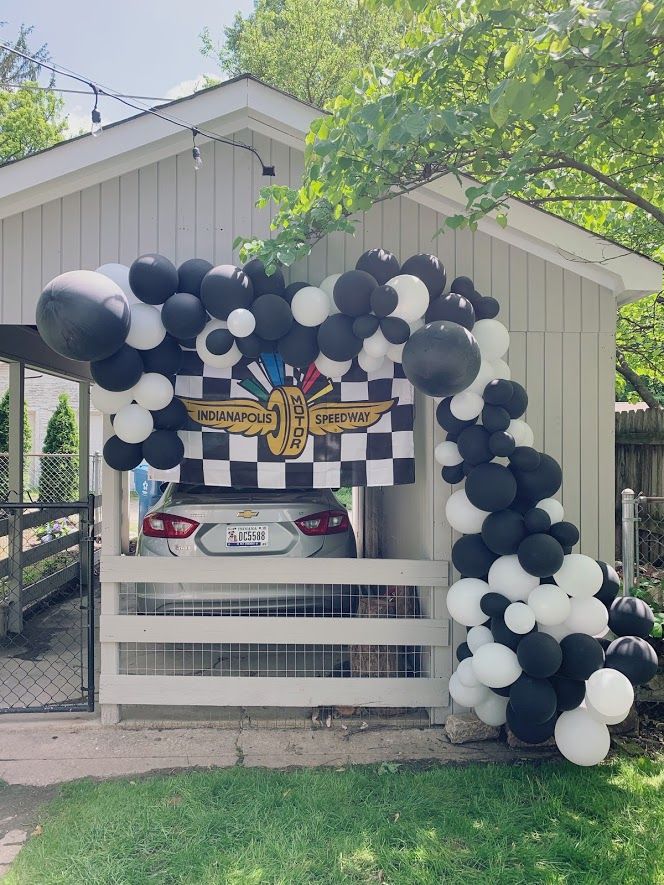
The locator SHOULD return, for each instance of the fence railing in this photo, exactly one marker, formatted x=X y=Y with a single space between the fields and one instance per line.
x=51 y=477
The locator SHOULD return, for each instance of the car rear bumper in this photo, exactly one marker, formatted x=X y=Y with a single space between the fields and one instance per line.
x=157 y=598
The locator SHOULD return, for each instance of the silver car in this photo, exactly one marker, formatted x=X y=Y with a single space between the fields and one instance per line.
x=200 y=520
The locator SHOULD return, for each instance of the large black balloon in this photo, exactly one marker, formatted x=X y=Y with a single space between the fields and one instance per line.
x=384 y=300
x=299 y=347
x=464 y=286
x=120 y=371
x=291 y=289
x=536 y=521
x=528 y=731
x=494 y=604
x=495 y=418
x=153 y=278
x=471 y=557
x=274 y=284
x=474 y=445
x=365 y=326
x=629 y=616
x=611 y=583
x=503 y=531
x=569 y=692
x=634 y=657
x=498 y=392
x=171 y=417
x=463 y=652
x=582 y=655
x=447 y=420
x=525 y=458
x=166 y=358
x=336 y=339
x=566 y=533
x=183 y=315
x=491 y=487
x=518 y=402
x=274 y=317
x=451 y=307
x=540 y=555
x=352 y=292
x=452 y=474
x=226 y=288
x=190 y=275
x=441 y=359
x=121 y=455
x=533 y=699
x=542 y=482
x=83 y=315
x=395 y=330
x=539 y=655
x=486 y=308
x=252 y=346
x=429 y=269
x=381 y=264
x=163 y=449
x=501 y=443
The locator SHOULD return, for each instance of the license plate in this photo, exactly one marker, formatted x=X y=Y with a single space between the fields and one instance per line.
x=247 y=536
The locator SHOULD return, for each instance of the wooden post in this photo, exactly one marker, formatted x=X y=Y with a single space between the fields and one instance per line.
x=15 y=519
x=111 y=545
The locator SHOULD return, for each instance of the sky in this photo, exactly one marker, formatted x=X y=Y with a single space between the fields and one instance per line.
x=142 y=47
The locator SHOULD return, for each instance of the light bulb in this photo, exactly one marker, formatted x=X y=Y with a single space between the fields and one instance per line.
x=198 y=160
x=96 y=127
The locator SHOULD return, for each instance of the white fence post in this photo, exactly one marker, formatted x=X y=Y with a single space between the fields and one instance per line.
x=110 y=591
x=628 y=541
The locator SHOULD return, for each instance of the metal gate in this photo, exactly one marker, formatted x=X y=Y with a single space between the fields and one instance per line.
x=47 y=617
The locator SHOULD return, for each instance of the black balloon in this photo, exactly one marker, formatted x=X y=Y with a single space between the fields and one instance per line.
x=153 y=278
x=183 y=315
x=365 y=326
x=253 y=346
x=474 y=445
x=163 y=449
x=540 y=655
x=299 y=347
x=537 y=520
x=291 y=289
x=528 y=731
x=465 y=286
x=190 y=275
x=166 y=358
x=384 y=300
x=429 y=269
x=542 y=482
x=491 y=487
x=569 y=692
x=501 y=443
x=582 y=655
x=611 y=583
x=533 y=699
x=441 y=359
x=219 y=341
x=395 y=330
x=83 y=315
x=451 y=307
x=486 y=308
x=463 y=652
x=494 y=604
x=518 y=402
x=274 y=284
x=274 y=317
x=381 y=264
x=120 y=371
x=503 y=531
x=629 y=616
x=525 y=458
x=634 y=657
x=448 y=421
x=352 y=292
x=224 y=289
x=336 y=339
x=471 y=557
x=121 y=455
x=171 y=417
x=495 y=418
x=498 y=392
x=502 y=692
x=501 y=633
x=540 y=555
x=452 y=474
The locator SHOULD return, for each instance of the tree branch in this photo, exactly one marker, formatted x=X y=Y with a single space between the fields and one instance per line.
x=636 y=381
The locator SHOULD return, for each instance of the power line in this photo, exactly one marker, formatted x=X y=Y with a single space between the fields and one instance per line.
x=74 y=91
x=98 y=90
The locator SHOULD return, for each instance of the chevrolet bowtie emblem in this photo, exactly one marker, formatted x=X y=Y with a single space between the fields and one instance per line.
x=247 y=514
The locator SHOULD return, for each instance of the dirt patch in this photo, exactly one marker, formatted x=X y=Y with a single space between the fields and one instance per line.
x=20 y=806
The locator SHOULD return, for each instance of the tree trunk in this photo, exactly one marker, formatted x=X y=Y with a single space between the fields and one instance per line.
x=637 y=382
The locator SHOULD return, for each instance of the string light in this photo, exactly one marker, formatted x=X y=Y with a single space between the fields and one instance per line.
x=96 y=127
x=196 y=151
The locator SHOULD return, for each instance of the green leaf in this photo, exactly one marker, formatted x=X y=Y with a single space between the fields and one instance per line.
x=512 y=56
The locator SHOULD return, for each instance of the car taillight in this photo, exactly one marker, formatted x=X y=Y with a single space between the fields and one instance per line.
x=330 y=522
x=168 y=525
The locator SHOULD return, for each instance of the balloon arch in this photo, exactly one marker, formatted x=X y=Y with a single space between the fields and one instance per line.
x=537 y=654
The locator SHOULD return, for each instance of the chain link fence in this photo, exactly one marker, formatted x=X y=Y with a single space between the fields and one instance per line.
x=643 y=551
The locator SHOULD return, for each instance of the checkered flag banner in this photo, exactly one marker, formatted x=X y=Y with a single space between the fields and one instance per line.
x=265 y=424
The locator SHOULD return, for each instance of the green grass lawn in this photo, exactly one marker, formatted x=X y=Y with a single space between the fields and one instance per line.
x=493 y=824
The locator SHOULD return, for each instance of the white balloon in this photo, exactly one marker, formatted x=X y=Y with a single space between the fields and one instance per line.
x=553 y=508
x=241 y=322
x=331 y=368
x=482 y=378
x=377 y=344
x=501 y=370
x=109 y=401
x=466 y=405
x=416 y=324
x=466 y=673
x=587 y=615
x=462 y=515
x=395 y=352
x=153 y=391
x=146 y=329
x=550 y=605
x=465 y=695
x=506 y=576
x=581 y=738
x=310 y=306
x=579 y=576
x=610 y=693
x=463 y=601
x=447 y=454
x=492 y=711
x=607 y=720
x=519 y=617
x=216 y=360
x=492 y=337
x=496 y=665
x=413 y=297
x=478 y=636
x=557 y=631
x=328 y=287
x=119 y=273
x=133 y=423
x=369 y=363
x=522 y=432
